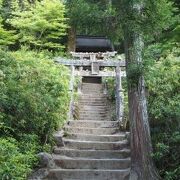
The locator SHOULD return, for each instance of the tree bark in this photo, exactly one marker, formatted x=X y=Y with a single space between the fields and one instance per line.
x=71 y=39
x=142 y=166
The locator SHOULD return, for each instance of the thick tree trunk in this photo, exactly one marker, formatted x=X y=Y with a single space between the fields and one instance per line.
x=142 y=166
x=72 y=39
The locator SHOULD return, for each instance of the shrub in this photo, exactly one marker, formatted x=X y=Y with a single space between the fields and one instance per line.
x=7 y=37
x=14 y=163
x=164 y=112
x=33 y=95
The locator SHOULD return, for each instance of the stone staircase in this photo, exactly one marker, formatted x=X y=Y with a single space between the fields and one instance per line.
x=94 y=148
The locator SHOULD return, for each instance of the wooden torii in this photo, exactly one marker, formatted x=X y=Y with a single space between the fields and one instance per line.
x=95 y=62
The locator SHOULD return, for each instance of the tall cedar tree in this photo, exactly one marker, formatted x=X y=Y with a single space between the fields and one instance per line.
x=139 y=18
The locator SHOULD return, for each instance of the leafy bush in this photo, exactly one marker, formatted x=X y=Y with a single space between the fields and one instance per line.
x=33 y=95
x=164 y=84
x=15 y=163
x=166 y=153
x=111 y=86
x=164 y=111
x=7 y=37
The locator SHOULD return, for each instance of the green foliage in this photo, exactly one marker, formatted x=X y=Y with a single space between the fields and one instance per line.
x=94 y=17
x=33 y=90
x=33 y=104
x=7 y=37
x=111 y=86
x=163 y=82
x=143 y=15
x=158 y=15
x=16 y=159
x=41 y=25
x=33 y=94
x=134 y=72
x=166 y=153
x=164 y=109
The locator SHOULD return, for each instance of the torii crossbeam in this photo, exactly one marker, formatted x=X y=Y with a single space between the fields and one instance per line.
x=91 y=65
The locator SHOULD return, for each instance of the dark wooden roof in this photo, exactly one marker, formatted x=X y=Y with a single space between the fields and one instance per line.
x=93 y=44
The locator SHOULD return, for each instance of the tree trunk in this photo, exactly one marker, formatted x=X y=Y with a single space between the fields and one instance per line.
x=142 y=166
x=71 y=39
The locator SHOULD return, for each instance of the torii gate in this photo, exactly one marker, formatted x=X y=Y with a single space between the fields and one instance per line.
x=90 y=65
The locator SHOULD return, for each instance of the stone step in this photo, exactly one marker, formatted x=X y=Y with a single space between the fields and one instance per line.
x=92 y=97
x=93 y=100
x=93 y=107
x=89 y=83
x=95 y=131
x=98 y=90
x=93 y=124
x=103 y=105
x=96 y=154
x=91 y=119
x=98 y=96
x=95 y=93
x=96 y=145
x=92 y=137
x=92 y=103
x=94 y=112
x=92 y=84
x=87 y=163
x=93 y=116
x=92 y=89
x=87 y=174
x=90 y=111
